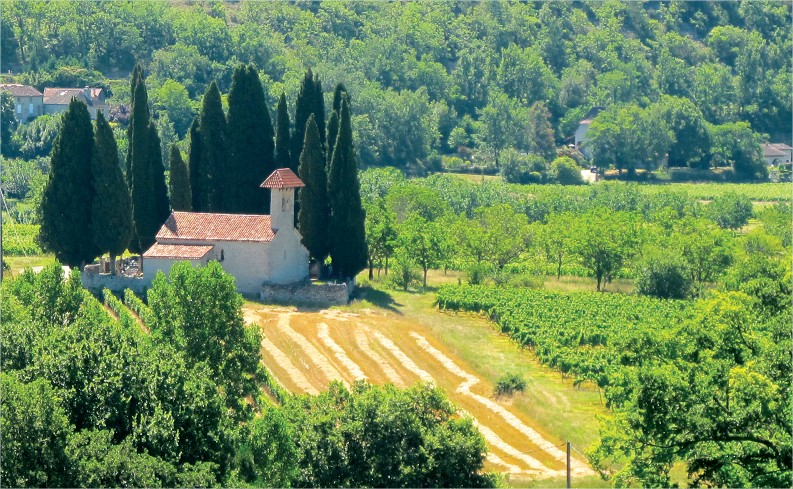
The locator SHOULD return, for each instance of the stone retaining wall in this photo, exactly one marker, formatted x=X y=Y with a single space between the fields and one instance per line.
x=308 y=293
x=95 y=282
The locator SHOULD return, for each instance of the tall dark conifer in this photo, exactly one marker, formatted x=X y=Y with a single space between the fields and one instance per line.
x=179 y=183
x=347 y=235
x=282 y=141
x=319 y=110
x=137 y=77
x=139 y=173
x=197 y=174
x=111 y=211
x=338 y=95
x=214 y=145
x=162 y=205
x=304 y=106
x=314 y=211
x=66 y=227
x=250 y=143
x=333 y=132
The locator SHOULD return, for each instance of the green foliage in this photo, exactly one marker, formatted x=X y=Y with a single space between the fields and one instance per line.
x=282 y=135
x=115 y=304
x=251 y=147
x=36 y=138
x=214 y=154
x=730 y=211
x=664 y=275
x=66 y=227
x=348 y=237
x=111 y=211
x=736 y=145
x=181 y=197
x=137 y=306
x=199 y=310
x=509 y=384
x=776 y=221
x=314 y=214
x=20 y=239
x=9 y=122
x=380 y=436
x=564 y=170
x=198 y=178
x=580 y=334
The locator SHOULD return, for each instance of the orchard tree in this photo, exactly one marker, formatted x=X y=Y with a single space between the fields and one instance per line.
x=314 y=214
x=380 y=234
x=181 y=198
x=730 y=210
x=555 y=239
x=347 y=234
x=421 y=239
x=706 y=249
x=66 y=205
x=111 y=212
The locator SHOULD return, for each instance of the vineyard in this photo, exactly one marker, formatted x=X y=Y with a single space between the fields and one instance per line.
x=580 y=334
x=20 y=239
x=758 y=192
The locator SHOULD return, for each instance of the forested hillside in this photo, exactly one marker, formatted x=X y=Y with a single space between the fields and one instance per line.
x=429 y=78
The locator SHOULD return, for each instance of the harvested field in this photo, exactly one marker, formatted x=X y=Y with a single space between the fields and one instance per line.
x=306 y=350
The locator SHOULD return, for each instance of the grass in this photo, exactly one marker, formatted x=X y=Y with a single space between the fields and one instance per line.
x=19 y=263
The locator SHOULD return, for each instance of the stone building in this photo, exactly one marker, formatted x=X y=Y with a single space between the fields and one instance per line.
x=57 y=100
x=28 y=102
x=255 y=249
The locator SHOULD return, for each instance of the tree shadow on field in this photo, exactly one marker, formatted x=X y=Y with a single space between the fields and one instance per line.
x=378 y=297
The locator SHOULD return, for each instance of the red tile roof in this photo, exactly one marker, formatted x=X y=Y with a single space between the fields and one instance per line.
x=18 y=90
x=187 y=252
x=216 y=227
x=283 y=178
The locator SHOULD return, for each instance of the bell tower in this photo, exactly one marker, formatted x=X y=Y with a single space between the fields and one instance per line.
x=282 y=184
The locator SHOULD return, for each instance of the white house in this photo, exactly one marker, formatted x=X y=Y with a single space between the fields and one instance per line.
x=583 y=127
x=776 y=154
x=255 y=249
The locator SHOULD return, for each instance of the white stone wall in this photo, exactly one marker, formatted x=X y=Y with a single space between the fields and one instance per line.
x=246 y=261
x=288 y=258
x=96 y=282
x=580 y=138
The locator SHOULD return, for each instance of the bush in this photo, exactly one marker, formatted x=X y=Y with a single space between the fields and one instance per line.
x=664 y=276
x=522 y=168
x=477 y=273
x=730 y=210
x=565 y=171
x=510 y=384
x=404 y=273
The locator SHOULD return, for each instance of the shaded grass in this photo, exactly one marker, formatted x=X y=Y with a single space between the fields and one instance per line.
x=18 y=264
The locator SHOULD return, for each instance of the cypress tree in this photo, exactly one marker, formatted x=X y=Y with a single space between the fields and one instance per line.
x=162 y=205
x=197 y=186
x=181 y=199
x=347 y=235
x=250 y=143
x=139 y=174
x=135 y=79
x=314 y=212
x=282 y=159
x=333 y=131
x=304 y=106
x=319 y=110
x=111 y=212
x=66 y=227
x=214 y=145
x=338 y=95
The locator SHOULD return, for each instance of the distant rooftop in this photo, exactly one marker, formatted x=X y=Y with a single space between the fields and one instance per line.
x=18 y=90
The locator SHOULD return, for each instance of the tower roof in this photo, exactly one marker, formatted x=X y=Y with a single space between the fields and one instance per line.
x=283 y=178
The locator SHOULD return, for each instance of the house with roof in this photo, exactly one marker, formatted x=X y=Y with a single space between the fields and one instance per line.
x=255 y=249
x=57 y=100
x=583 y=126
x=776 y=154
x=28 y=102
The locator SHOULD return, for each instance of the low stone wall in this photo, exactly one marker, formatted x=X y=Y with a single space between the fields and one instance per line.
x=95 y=282
x=308 y=293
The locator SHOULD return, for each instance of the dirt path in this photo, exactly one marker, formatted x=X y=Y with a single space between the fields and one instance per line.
x=306 y=350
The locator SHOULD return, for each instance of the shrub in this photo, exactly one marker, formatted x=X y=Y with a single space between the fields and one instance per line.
x=565 y=171
x=522 y=168
x=510 y=384
x=404 y=273
x=730 y=210
x=477 y=273
x=664 y=276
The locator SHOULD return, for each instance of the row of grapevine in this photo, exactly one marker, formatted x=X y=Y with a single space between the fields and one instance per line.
x=138 y=307
x=115 y=305
x=581 y=334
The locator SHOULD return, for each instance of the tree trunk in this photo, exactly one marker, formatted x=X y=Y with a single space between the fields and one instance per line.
x=425 y=278
x=599 y=277
x=371 y=269
x=386 y=265
x=559 y=268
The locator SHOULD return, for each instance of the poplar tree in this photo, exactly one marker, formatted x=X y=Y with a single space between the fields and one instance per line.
x=347 y=235
x=66 y=227
x=304 y=106
x=250 y=143
x=198 y=183
x=181 y=199
x=282 y=159
x=314 y=212
x=214 y=154
x=111 y=211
